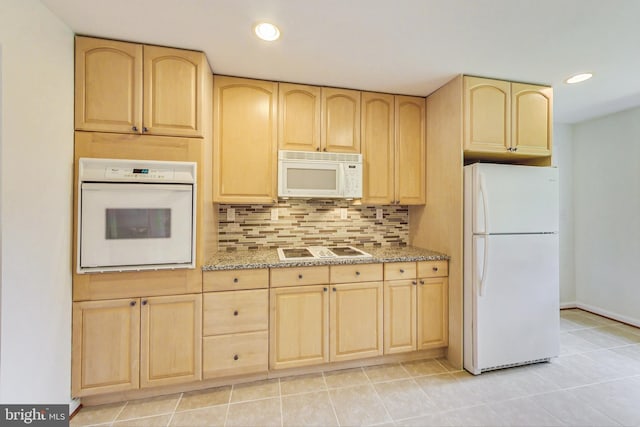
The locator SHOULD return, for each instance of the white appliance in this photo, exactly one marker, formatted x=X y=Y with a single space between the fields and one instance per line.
x=310 y=174
x=321 y=252
x=511 y=268
x=135 y=215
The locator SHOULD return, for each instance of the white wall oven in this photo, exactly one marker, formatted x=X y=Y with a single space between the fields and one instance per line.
x=135 y=215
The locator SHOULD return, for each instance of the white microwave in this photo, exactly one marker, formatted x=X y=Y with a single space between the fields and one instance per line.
x=310 y=174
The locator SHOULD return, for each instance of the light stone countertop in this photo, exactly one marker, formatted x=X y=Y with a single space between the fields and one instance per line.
x=268 y=258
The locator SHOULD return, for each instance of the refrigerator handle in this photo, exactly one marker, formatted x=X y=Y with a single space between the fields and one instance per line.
x=485 y=210
x=485 y=255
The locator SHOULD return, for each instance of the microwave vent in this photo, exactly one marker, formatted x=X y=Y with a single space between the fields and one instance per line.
x=319 y=156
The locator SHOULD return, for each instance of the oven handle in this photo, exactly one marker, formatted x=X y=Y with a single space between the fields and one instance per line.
x=127 y=186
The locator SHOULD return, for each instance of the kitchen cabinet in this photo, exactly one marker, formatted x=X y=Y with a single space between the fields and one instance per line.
x=393 y=147
x=504 y=119
x=415 y=306
x=299 y=117
x=132 y=88
x=317 y=322
x=235 y=322
x=129 y=343
x=340 y=131
x=244 y=157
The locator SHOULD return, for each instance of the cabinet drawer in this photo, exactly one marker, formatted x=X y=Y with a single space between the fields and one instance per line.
x=399 y=270
x=356 y=273
x=433 y=268
x=235 y=311
x=235 y=354
x=229 y=280
x=297 y=276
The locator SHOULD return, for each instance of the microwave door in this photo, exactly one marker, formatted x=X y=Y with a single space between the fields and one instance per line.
x=307 y=179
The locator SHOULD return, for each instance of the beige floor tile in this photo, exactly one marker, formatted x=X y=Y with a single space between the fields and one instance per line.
x=480 y=416
x=203 y=398
x=600 y=337
x=524 y=412
x=447 y=365
x=97 y=414
x=630 y=351
x=345 y=378
x=573 y=344
x=302 y=384
x=614 y=364
x=404 y=399
x=567 y=325
x=386 y=373
x=628 y=328
x=586 y=321
x=434 y=420
x=308 y=409
x=255 y=390
x=424 y=367
x=357 y=406
x=627 y=336
x=147 y=407
x=153 y=421
x=560 y=372
x=616 y=399
x=262 y=413
x=205 y=417
x=526 y=382
x=566 y=407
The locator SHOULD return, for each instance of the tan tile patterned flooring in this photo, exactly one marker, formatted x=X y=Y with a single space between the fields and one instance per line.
x=595 y=382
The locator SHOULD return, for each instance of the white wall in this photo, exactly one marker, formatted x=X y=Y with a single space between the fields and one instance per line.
x=607 y=214
x=35 y=200
x=563 y=158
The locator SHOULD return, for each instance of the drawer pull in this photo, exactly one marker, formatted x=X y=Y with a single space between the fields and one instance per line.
x=235 y=280
x=324 y=289
x=422 y=282
x=235 y=312
x=144 y=302
x=334 y=289
x=401 y=270
x=357 y=273
x=435 y=268
x=235 y=357
x=414 y=282
x=132 y=303
x=299 y=276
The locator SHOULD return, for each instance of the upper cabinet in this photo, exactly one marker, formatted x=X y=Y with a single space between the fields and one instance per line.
x=393 y=148
x=340 y=120
x=244 y=140
x=298 y=117
x=504 y=119
x=131 y=88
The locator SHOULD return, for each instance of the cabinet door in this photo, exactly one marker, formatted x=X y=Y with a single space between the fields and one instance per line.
x=171 y=340
x=340 y=120
x=299 y=326
x=356 y=321
x=173 y=91
x=399 y=316
x=106 y=346
x=245 y=156
x=410 y=158
x=298 y=117
x=433 y=320
x=487 y=115
x=531 y=119
x=108 y=86
x=378 y=133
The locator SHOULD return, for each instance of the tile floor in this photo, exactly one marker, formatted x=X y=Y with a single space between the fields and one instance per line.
x=595 y=382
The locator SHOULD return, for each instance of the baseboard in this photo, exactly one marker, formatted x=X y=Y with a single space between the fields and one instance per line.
x=73 y=406
x=614 y=316
x=567 y=305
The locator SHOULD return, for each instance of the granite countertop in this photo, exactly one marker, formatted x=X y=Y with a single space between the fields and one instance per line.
x=268 y=258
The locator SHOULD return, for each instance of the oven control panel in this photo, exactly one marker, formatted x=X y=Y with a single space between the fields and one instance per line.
x=139 y=173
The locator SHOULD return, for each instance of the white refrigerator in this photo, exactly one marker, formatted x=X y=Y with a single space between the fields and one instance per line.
x=511 y=277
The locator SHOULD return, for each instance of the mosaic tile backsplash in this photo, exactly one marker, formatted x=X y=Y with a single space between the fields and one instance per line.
x=311 y=223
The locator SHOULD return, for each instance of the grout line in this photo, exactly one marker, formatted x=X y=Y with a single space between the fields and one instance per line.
x=280 y=398
x=174 y=409
x=333 y=407
x=380 y=397
x=119 y=412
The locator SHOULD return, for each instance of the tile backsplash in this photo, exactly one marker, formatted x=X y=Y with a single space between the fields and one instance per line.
x=310 y=223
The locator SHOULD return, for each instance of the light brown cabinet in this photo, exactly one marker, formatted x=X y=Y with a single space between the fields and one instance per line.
x=340 y=131
x=131 y=88
x=393 y=147
x=299 y=117
x=504 y=119
x=125 y=344
x=244 y=156
x=415 y=306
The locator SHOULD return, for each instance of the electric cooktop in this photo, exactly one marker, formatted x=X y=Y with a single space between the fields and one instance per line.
x=320 y=252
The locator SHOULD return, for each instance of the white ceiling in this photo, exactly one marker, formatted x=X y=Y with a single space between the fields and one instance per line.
x=397 y=46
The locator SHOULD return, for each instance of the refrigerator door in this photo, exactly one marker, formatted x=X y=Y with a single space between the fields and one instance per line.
x=516 y=308
x=513 y=199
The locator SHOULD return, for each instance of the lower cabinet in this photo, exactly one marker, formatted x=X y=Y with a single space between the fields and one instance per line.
x=400 y=316
x=433 y=313
x=130 y=343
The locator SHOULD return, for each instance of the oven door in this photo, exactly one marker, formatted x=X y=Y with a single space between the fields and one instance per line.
x=126 y=226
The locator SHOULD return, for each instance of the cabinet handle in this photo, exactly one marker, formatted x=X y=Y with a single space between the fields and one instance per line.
x=144 y=302
x=236 y=357
x=132 y=303
x=357 y=273
x=235 y=280
x=515 y=149
x=324 y=149
x=145 y=129
x=435 y=268
x=414 y=282
x=317 y=148
x=422 y=282
x=299 y=276
x=334 y=289
x=324 y=289
x=401 y=270
x=134 y=128
x=235 y=312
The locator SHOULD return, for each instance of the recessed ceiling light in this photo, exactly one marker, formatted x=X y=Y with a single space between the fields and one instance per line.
x=577 y=78
x=267 y=31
